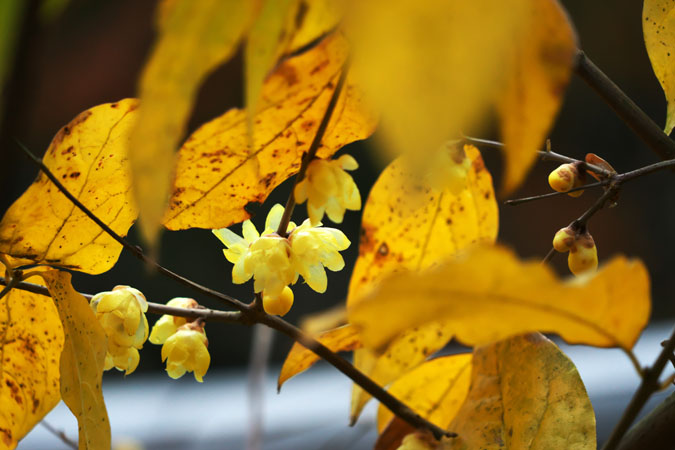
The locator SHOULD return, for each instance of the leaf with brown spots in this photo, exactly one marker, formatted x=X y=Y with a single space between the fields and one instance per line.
x=194 y=38
x=31 y=340
x=89 y=157
x=218 y=174
x=300 y=358
x=410 y=226
x=542 y=60
x=525 y=393
x=82 y=361
x=658 y=26
x=435 y=390
x=488 y=294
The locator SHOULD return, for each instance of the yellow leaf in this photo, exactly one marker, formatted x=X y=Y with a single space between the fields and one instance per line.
x=82 y=361
x=300 y=358
x=658 y=18
x=267 y=40
x=411 y=226
x=194 y=38
x=543 y=57
x=89 y=157
x=435 y=390
x=525 y=393
x=218 y=173
x=488 y=295
x=315 y=18
x=432 y=67
x=31 y=340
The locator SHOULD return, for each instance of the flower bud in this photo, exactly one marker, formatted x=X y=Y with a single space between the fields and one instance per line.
x=566 y=177
x=279 y=305
x=186 y=351
x=563 y=239
x=583 y=255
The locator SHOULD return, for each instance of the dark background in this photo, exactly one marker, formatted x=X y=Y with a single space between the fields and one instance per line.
x=94 y=51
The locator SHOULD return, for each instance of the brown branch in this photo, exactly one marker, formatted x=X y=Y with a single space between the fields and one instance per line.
x=313 y=148
x=648 y=385
x=520 y=201
x=655 y=431
x=59 y=434
x=624 y=107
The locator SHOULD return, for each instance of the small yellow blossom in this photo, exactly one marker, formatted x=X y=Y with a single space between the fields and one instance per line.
x=121 y=313
x=168 y=324
x=266 y=258
x=316 y=247
x=186 y=351
x=329 y=189
x=278 y=306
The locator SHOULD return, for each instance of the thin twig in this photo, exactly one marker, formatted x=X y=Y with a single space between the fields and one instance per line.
x=135 y=250
x=59 y=434
x=520 y=201
x=624 y=107
x=648 y=385
x=313 y=148
x=209 y=315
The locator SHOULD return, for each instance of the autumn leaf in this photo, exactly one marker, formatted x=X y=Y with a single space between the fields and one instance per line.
x=409 y=226
x=488 y=295
x=194 y=38
x=82 y=361
x=315 y=18
x=218 y=174
x=435 y=390
x=31 y=340
x=299 y=359
x=542 y=60
x=89 y=157
x=658 y=26
x=525 y=393
x=432 y=68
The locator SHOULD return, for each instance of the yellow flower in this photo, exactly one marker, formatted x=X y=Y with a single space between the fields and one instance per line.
x=328 y=188
x=266 y=258
x=168 y=324
x=186 y=351
x=121 y=313
x=315 y=247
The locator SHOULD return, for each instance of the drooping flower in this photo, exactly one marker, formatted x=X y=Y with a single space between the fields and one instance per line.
x=266 y=258
x=121 y=313
x=329 y=189
x=168 y=324
x=316 y=247
x=186 y=351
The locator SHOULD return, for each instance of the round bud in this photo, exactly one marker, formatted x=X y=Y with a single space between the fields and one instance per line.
x=583 y=255
x=280 y=305
x=563 y=239
x=562 y=179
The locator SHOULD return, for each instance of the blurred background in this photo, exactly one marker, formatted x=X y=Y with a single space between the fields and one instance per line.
x=92 y=52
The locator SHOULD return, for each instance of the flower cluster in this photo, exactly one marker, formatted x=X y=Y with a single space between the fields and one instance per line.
x=274 y=262
x=184 y=343
x=583 y=256
x=329 y=189
x=121 y=313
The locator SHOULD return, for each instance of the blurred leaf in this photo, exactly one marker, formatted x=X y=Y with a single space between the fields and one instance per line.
x=31 y=340
x=409 y=226
x=194 y=38
x=89 y=157
x=218 y=174
x=433 y=68
x=543 y=57
x=82 y=361
x=435 y=390
x=51 y=10
x=315 y=18
x=489 y=294
x=300 y=358
x=525 y=393
x=658 y=25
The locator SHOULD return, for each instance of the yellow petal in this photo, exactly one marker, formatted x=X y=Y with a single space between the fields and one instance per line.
x=249 y=231
x=229 y=238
